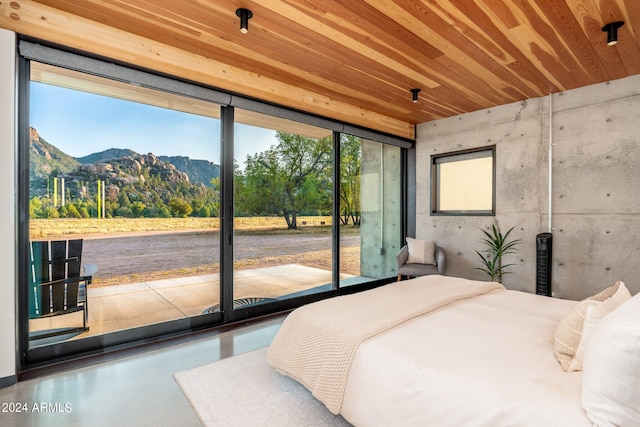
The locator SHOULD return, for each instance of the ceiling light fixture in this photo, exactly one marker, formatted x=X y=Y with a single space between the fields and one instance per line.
x=244 y=15
x=612 y=32
x=414 y=94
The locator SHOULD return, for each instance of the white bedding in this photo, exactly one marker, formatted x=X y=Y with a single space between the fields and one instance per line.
x=317 y=342
x=487 y=361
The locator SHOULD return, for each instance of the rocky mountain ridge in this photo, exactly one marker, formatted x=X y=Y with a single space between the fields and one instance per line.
x=118 y=166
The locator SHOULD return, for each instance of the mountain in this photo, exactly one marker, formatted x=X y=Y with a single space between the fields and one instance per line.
x=199 y=171
x=103 y=156
x=132 y=184
x=44 y=158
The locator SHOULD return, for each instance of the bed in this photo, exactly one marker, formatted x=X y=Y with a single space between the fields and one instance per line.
x=439 y=350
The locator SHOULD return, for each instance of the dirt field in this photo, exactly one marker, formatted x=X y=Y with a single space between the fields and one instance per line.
x=133 y=250
x=139 y=256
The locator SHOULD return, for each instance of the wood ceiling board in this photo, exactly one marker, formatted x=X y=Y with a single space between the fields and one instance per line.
x=492 y=69
x=628 y=51
x=573 y=45
x=632 y=7
x=458 y=75
x=252 y=51
x=588 y=17
x=357 y=60
x=501 y=12
x=37 y=20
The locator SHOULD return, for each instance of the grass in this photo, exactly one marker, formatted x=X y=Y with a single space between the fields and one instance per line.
x=69 y=227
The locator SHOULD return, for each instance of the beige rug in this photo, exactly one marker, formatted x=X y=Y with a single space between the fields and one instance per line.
x=244 y=391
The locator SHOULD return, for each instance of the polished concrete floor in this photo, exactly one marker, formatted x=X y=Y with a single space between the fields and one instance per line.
x=137 y=390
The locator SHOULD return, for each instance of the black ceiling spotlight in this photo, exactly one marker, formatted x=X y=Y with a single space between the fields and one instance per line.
x=244 y=15
x=612 y=32
x=414 y=94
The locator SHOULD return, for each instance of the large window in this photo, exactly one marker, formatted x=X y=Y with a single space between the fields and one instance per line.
x=463 y=182
x=133 y=174
x=187 y=208
x=283 y=201
x=370 y=210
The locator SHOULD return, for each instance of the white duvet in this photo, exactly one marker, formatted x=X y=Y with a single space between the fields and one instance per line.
x=487 y=361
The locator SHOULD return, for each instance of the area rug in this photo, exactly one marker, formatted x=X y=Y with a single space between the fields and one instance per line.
x=245 y=391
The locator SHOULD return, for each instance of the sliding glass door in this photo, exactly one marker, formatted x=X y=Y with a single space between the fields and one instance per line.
x=283 y=203
x=151 y=209
x=129 y=178
x=370 y=210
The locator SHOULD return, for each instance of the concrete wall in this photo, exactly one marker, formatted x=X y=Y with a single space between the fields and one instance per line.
x=595 y=204
x=7 y=207
x=380 y=216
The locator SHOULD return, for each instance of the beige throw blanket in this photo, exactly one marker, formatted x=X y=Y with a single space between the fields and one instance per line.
x=317 y=342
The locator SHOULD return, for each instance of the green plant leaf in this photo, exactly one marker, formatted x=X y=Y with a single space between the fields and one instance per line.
x=498 y=245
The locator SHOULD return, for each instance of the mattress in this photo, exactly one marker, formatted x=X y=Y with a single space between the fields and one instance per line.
x=485 y=361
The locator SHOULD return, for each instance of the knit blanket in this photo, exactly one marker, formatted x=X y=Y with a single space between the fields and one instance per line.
x=317 y=342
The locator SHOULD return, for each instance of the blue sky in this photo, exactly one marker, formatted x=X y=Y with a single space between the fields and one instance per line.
x=79 y=124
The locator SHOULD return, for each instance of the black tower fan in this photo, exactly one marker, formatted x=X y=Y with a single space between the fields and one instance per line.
x=543 y=263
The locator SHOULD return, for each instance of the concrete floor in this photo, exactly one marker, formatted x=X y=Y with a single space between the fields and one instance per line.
x=115 y=308
x=138 y=390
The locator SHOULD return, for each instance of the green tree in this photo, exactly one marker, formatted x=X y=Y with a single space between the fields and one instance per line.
x=179 y=208
x=35 y=208
x=53 y=213
x=350 y=154
x=163 y=212
x=197 y=205
x=137 y=209
x=123 y=211
x=204 y=212
x=63 y=212
x=215 y=183
x=72 y=212
x=289 y=178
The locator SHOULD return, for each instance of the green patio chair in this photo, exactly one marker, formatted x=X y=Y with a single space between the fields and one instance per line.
x=56 y=287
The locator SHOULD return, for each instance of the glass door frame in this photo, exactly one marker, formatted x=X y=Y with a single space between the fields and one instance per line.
x=30 y=358
x=35 y=357
x=227 y=234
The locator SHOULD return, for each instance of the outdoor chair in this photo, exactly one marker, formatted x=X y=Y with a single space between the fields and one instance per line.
x=414 y=269
x=56 y=287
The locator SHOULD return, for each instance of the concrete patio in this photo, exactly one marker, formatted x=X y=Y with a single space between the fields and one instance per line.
x=115 y=308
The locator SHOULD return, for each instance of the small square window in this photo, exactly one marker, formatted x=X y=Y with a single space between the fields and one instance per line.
x=463 y=182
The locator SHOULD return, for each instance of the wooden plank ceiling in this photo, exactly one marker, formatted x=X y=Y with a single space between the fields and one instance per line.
x=355 y=61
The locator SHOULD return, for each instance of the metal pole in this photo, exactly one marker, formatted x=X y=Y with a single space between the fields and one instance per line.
x=104 y=206
x=550 y=191
x=99 y=210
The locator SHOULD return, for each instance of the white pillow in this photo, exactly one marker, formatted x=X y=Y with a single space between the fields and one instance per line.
x=611 y=371
x=568 y=342
x=421 y=251
x=594 y=314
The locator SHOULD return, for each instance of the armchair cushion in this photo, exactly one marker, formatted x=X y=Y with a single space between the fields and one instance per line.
x=421 y=251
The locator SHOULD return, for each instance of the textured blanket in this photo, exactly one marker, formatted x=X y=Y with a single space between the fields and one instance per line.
x=317 y=342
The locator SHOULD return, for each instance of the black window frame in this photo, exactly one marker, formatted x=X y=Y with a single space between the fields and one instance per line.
x=39 y=357
x=461 y=155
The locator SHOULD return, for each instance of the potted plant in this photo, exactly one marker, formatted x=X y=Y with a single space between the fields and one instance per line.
x=497 y=246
